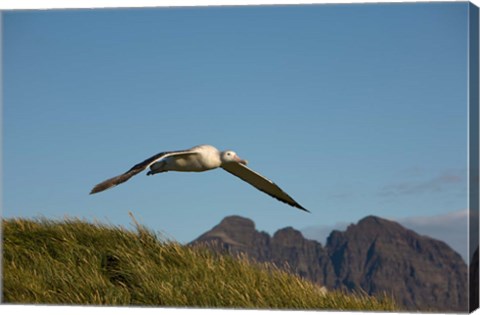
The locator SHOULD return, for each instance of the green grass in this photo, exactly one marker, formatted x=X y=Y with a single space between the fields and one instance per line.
x=75 y=262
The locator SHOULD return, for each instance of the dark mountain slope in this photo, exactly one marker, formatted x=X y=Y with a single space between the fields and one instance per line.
x=287 y=248
x=375 y=255
x=378 y=255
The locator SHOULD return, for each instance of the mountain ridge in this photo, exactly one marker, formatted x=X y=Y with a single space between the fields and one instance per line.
x=375 y=255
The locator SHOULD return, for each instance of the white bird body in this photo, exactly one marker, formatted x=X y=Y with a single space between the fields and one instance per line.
x=199 y=159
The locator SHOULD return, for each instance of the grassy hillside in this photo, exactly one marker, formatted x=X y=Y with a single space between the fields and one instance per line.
x=75 y=262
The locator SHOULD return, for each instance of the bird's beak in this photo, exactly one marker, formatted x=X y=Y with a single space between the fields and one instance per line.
x=239 y=160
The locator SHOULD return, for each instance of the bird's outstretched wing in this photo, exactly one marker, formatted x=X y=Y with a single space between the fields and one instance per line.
x=114 y=181
x=261 y=183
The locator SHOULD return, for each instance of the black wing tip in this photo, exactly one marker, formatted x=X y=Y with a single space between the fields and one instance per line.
x=99 y=188
x=109 y=183
x=301 y=208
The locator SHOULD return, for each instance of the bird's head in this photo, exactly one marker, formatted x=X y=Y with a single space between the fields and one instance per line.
x=230 y=156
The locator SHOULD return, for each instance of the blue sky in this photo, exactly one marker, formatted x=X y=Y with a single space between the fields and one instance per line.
x=352 y=109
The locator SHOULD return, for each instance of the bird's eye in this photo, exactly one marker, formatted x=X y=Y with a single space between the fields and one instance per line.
x=229 y=154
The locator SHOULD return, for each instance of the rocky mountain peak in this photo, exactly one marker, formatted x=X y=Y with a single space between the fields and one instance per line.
x=374 y=255
x=236 y=222
x=288 y=235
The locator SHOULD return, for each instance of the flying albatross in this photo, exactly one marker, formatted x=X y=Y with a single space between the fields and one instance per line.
x=198 y=159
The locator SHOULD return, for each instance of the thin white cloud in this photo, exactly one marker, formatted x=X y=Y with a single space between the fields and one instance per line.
x=445 y=218
x=440 y=183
